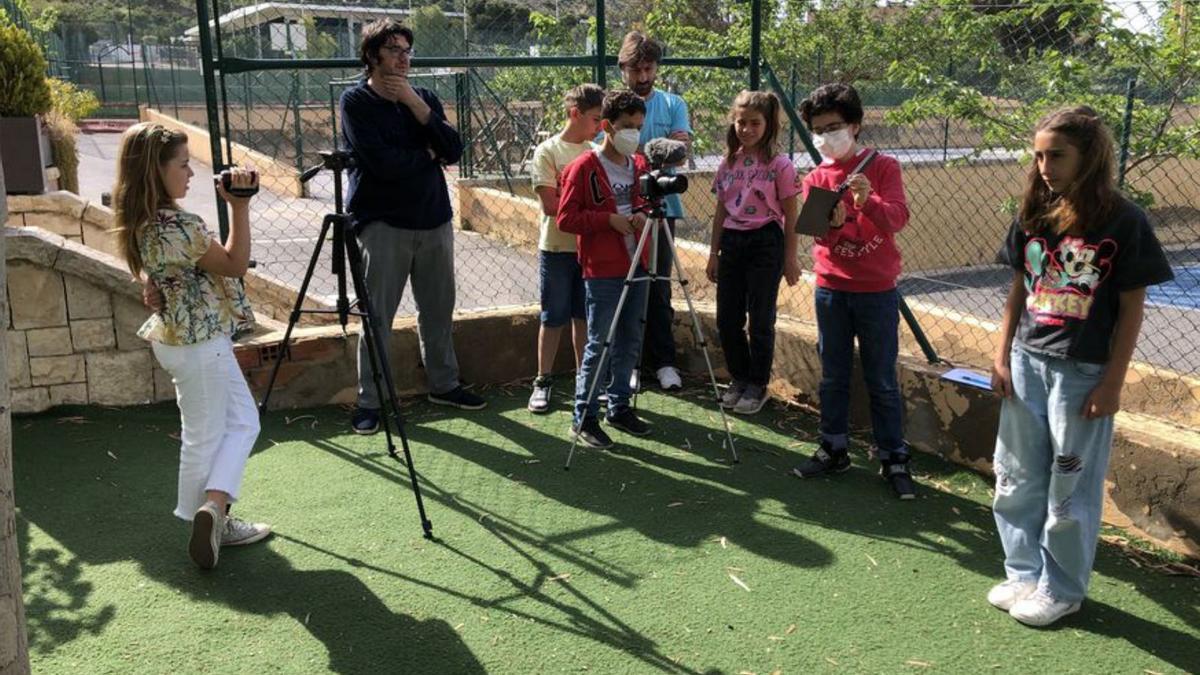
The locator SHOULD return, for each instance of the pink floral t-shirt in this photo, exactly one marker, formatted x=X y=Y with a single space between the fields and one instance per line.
x=753 y=192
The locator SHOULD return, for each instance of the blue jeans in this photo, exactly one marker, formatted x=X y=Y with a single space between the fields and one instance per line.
x=874 y=318
x=1050 y=465
x=602 y=297
x=560 y=280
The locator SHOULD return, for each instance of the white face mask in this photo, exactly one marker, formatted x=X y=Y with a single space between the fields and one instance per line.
x=626 y=141
x=834 y=144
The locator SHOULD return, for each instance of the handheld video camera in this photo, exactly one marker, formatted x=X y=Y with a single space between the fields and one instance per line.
x=227 y=183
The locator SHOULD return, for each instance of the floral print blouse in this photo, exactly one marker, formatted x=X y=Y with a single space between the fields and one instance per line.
x=197 y=305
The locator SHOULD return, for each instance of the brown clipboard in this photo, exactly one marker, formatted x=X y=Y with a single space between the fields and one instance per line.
x=819 y=204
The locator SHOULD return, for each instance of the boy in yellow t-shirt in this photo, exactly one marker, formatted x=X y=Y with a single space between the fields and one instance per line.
x=560 y=277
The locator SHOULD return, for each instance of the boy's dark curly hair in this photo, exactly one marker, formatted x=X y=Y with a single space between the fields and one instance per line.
x=837 y=97
x=623 y=102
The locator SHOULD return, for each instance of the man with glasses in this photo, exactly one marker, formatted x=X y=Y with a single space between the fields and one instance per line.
x=401 y=209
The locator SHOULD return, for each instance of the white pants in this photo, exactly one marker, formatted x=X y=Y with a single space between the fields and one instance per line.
x=220 y=420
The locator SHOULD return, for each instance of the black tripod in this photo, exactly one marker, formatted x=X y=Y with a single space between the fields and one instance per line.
x=345 y=249
x=656 y=224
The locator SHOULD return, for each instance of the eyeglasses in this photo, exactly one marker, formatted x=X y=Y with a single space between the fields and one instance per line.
x=830 y=128
x=399 y=51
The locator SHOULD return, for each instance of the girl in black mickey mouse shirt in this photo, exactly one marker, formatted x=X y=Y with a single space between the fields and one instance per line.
x=1082 y=257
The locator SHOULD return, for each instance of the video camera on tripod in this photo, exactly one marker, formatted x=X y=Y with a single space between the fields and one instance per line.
x=663 y=153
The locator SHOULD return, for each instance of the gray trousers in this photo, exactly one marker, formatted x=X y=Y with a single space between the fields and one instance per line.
x=391 y=255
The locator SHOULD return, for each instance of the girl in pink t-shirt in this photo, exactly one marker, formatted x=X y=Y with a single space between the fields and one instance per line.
x=753 y=245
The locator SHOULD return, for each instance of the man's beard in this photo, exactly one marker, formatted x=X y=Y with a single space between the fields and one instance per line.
x=643 y=88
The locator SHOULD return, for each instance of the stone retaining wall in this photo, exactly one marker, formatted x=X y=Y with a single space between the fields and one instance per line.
x=72 y=327
x=90 y=223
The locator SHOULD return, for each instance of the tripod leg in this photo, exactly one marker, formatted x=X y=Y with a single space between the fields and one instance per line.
x=612 y=330
x=379 y=359
x=295 y=316
x=683 y=284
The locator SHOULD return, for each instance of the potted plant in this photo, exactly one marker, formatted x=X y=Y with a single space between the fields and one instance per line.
x=24 y=98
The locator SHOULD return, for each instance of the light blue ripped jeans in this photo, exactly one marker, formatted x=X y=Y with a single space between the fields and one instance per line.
x=1050 y=465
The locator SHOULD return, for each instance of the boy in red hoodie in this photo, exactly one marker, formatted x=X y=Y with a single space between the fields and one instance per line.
x=856 y=264
x=599 y=203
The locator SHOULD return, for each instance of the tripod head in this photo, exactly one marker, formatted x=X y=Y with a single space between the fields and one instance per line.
x=337 y=161
x=655 y=208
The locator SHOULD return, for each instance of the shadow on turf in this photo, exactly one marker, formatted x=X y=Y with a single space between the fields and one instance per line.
x=68 y=487
x=105 y=510
x=933 y=524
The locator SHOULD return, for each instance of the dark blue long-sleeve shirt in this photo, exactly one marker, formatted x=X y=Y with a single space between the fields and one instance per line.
x=395 y=179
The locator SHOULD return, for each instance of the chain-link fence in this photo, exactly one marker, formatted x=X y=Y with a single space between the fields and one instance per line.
x=951 y=89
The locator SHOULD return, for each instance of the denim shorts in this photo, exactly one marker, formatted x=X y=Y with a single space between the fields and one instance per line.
x=561 y=283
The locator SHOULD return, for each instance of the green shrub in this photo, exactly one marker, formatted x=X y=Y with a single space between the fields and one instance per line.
x=74 y=103
x=23 y=88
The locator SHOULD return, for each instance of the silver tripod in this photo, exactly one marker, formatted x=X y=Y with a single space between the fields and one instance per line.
x=657 y=223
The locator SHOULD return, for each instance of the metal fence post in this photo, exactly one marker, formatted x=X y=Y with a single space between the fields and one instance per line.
x=1126 y=128
x=210 y=99
x=601 y=36
x=755 y=43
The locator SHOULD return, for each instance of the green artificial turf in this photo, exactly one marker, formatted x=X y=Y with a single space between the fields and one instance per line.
x=657 y=557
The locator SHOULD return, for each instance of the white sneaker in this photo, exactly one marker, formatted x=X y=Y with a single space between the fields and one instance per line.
x=1005 y=595
x=238 y=532
x=1040 y=609
x=669 y=379
x=205 y=544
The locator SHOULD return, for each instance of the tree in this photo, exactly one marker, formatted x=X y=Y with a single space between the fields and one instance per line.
x=1088 y=59
x=437 y=33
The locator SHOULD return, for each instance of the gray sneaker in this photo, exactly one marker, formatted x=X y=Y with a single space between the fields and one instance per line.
x=238 y=532
x=539 y=400
x=733 y=394
x=752 y=400
x=205 y=544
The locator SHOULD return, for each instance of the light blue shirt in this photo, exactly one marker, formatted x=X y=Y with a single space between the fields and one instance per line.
x=666 y=113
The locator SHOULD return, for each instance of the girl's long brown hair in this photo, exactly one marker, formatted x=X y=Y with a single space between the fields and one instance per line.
x=140 y=192
x=765 y=103
x=1093 y=193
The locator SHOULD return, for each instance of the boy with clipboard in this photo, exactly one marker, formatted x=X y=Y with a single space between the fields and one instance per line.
x=854 y=205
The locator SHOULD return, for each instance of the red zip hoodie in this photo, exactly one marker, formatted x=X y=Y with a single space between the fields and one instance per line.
x=585 y=202
x=861 y=256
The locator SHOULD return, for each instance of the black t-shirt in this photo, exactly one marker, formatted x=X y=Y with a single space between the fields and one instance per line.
x=1073 y=284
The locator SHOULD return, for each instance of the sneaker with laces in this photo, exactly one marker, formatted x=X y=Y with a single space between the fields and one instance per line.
x=591 y=434
x=458 y=398
x=733 y=394
x=1005 y=595
x=626 y=420
x=238 y=532
x=1041 y=609
x=365 y=421
x=539 y=400
x=753 y=399
x=826 y=460
x=669 y=378
x=205 y=544
x=896 y=473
